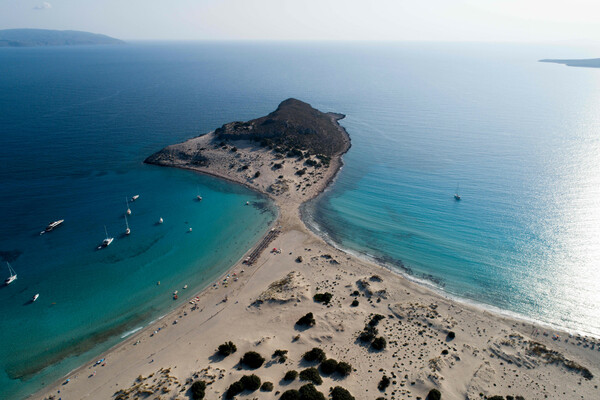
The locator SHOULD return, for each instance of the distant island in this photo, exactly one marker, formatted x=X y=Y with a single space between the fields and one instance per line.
x=47 y=37
x=587 y=63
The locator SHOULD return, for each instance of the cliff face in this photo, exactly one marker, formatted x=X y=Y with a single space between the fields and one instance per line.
x=293 y=125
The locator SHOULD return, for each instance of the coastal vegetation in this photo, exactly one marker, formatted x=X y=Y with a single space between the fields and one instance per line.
x=310 y=392
x=198 y=390
x=311 y=374
x=307 y=320
x=434 y=394
x=379 y=343
x=315 y=354
x=328 y=366
x=227 y=348
x=339 y=393
x=383 y=383
x=290 y=376
x=324 y=298
x=252 y=360
x=280 y=355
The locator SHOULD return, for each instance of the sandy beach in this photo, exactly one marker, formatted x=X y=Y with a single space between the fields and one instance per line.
x=431 y=342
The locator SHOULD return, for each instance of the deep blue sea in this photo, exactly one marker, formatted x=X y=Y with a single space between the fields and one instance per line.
x=521 y=138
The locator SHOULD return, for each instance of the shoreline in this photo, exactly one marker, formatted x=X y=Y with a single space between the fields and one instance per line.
x=439 y=291
x=403 y=299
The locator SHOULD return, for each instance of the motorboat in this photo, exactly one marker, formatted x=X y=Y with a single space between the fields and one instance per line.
x=52 y=225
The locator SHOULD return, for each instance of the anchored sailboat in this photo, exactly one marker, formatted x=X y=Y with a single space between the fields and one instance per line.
x=198 y=197
x=127 y=231
x=128 y=209
x=106 y=242
x=12 y=277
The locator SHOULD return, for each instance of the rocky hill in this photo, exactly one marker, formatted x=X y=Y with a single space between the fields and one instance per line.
x=294 y=125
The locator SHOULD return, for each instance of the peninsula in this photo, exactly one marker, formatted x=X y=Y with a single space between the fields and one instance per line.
x=300 y=319
x=48 y=37
x=588 y=63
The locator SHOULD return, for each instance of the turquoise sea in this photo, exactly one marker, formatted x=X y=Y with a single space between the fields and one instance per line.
x=521 y=138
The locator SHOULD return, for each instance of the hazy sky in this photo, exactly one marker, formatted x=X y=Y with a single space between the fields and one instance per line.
x=453 y=20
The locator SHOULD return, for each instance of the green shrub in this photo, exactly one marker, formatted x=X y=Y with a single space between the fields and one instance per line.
x=451 y=335
x=379 y=343
x=496 y=398
x=328 y=366
x=234 y=149
x=339 y=393
x=234 y=389
x=383 y=383
x=267 y=387
x=343 y=368
x=198 y=389
x=312 y=375
x=316 y=354
x=250 y=382
x=354 y=303
x=227 y=348
x=307 y=320
x=375 y=319
x=290 y=376
x=310 y=392
x=252 y=359
x=257 y=174
x=368 y=334
x=290 y=395
x=434 y=394
x=281 y=355
x=324 y=298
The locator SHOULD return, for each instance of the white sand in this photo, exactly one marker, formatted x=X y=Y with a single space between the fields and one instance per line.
x=491 y=355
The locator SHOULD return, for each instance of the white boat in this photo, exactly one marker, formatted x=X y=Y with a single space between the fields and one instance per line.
x=106 y=242
x=128 y=209
x=198 y=197
x=189 y=230
x=160 y=220
x=13 y=275
x=134 y=198
x=52 y=225
x=34 y=298
x=456 y=195
x=127 y=231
